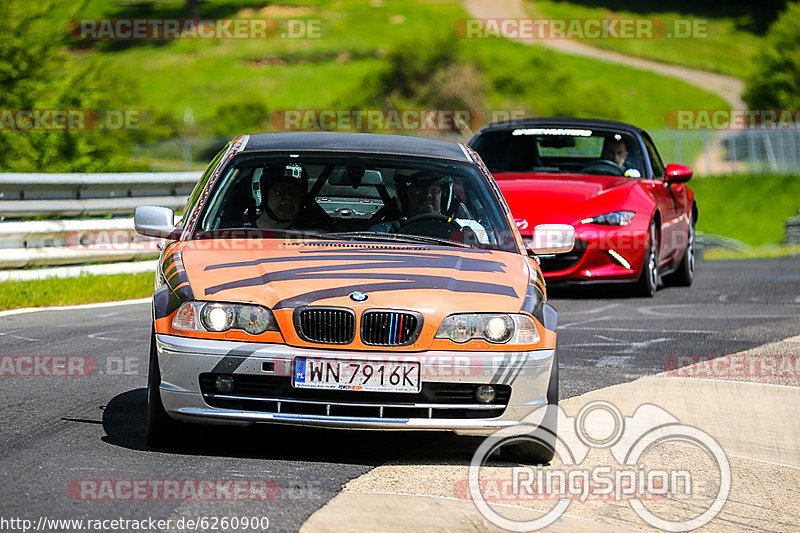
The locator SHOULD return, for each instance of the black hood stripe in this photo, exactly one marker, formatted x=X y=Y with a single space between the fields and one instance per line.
x=392 y=260
x=322 y=294
x=408 y=281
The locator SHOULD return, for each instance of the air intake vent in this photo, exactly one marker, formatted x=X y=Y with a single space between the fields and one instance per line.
x=326 y=325
x=389 y=328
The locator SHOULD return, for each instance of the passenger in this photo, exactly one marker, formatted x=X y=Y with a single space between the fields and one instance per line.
x=282 y=199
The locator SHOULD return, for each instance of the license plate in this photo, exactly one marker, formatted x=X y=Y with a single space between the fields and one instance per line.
x=345 y=374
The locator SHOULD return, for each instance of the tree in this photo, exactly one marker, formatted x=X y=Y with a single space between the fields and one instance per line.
x=775 y=83
x=37 y=74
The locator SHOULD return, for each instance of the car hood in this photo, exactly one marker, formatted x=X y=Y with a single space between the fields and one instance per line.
x=285 y=275
x=561 y=198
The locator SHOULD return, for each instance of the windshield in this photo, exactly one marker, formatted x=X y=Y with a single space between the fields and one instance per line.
x=350 y=196
x=561 y=150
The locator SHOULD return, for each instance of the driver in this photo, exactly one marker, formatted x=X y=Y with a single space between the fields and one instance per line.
x=426 y=194
x=422 y=194
x=418 y=194
x=616 y=150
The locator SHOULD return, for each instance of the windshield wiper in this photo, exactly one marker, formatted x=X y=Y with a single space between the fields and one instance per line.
x=394 y=237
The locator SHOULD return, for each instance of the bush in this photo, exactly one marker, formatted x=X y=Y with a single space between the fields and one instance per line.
x=427 y=73
x=247 y=114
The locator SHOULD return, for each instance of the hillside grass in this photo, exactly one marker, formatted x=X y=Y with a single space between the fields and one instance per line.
x=751 y=208
x=726 y=49
x=234 y=86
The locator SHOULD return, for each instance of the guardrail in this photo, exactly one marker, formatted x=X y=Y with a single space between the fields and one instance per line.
x=58 y=241
x=793 y=229
x=60 y=195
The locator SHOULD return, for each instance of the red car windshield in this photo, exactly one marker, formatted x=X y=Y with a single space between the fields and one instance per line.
x=561 y=150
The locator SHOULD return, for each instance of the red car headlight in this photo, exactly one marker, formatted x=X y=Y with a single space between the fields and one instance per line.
x=617 y=218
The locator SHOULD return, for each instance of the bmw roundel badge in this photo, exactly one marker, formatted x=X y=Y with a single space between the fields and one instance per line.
x=358 y=296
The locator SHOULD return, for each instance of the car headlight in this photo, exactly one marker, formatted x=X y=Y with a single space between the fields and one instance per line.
x=217 y=317
x=495 y=328
x=617 y=218
x=220 y=316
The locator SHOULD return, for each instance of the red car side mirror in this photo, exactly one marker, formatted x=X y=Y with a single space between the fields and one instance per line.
x=678 y=173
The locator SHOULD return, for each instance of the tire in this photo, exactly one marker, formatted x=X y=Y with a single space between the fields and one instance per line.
x=539 y=447
x=648 y=282
x=160 y=430
x=684 y=276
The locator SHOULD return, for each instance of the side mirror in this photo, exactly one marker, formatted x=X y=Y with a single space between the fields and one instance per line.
x=156 y=222
x=678 y=173
x=552 y=239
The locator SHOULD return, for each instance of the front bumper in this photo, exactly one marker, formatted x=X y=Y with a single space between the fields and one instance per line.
x=182 y=360
x=600 y=254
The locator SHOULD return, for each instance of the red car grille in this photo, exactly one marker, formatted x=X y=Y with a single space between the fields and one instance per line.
x=563 y=261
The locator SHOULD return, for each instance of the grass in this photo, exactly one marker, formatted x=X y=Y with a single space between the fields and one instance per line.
x=722 y=46
x=751 y=208
x=79 y=290
x=767 y=251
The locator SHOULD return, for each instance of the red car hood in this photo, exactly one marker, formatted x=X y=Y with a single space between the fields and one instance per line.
x=560 y=198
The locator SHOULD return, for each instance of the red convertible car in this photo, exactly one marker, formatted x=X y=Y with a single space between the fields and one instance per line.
x=634 y=218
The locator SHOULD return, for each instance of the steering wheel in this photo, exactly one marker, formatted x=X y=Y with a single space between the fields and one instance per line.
x=431 y=225
x=604 y=167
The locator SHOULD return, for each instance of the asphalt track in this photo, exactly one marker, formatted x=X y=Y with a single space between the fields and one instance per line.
x=56 y=431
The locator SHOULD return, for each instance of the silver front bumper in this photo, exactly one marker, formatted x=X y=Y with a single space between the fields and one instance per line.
x=182 y=360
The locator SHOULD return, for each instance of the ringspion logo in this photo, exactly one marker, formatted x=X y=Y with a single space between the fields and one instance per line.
x=640 y=471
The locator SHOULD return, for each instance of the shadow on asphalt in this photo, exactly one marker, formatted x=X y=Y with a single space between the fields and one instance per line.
x=124 y=420
x=605 y=291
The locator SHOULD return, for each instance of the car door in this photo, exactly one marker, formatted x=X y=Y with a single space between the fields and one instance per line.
x=673 y=226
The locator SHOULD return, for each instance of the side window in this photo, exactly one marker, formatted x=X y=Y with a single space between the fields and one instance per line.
x=201 y=184
x=655 y=159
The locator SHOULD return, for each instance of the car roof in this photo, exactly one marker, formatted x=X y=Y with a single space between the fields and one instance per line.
x=559 y=121
x=371 y=143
